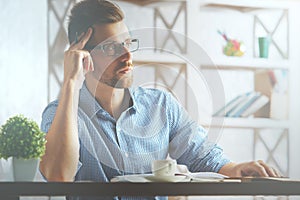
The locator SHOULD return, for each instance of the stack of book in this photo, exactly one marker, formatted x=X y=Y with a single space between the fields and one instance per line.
x=243 y=105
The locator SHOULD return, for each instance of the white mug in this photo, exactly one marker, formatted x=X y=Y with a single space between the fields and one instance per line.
x=164 y=167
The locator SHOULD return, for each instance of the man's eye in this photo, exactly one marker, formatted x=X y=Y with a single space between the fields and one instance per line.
x=109 y=47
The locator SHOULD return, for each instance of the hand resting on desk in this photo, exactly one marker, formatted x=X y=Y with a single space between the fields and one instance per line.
x=253 y=168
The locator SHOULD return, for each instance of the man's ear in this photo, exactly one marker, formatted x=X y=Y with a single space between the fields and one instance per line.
x=86 y=47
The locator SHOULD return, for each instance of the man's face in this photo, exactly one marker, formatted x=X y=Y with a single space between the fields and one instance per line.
x=112 y=66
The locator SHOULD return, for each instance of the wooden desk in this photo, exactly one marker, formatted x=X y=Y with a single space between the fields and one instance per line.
x=13 y=190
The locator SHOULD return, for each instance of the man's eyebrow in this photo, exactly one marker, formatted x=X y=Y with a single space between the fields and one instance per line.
x=111 y=40
x=114 y=41
x=107 y=41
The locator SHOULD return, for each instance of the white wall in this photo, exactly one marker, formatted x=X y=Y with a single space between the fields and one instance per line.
x=295 y=93
x=23 y=63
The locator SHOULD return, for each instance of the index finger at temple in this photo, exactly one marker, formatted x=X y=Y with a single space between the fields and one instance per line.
x=83 y=40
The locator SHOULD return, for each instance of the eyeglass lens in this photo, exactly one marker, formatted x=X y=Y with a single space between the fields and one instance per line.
x=118 y=48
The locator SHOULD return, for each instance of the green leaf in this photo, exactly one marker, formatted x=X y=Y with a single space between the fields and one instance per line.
x=21 y=137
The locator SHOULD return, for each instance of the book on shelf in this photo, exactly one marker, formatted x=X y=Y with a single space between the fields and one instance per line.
x=231 y=105
x=256 y=105
x=243 y=105
x=248 y=100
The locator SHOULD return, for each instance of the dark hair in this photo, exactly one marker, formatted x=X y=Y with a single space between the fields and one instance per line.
x=89 y=12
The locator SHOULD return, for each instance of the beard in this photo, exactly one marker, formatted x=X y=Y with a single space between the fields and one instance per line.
x=124 y=81
x=114 y=78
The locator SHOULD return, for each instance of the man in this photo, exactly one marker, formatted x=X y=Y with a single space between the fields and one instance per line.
x=101 y=127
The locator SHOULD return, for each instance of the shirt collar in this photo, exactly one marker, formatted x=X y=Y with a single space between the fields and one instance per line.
x=133 y=91
x=90 y=105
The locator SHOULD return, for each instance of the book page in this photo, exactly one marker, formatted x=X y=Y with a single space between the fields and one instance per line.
x=208 y=175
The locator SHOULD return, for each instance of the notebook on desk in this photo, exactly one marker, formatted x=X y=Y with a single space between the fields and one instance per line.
x=254 y=179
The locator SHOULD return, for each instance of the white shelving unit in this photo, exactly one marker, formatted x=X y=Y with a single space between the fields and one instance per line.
x=240 y=63
x=254 y=64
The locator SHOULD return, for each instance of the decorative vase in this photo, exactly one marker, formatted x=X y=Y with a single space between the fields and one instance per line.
x=25 y=169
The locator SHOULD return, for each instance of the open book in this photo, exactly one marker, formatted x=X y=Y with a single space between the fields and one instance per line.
x=212 y=175
x=179 y=177
x=204 y=176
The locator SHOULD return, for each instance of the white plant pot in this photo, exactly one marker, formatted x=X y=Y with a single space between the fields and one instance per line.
x=6 y=170
x=25 y=169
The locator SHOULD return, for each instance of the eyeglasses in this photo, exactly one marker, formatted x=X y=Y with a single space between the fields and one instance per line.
x=114 y=48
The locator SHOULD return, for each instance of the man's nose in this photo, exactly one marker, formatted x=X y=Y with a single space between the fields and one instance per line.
x=125 y=53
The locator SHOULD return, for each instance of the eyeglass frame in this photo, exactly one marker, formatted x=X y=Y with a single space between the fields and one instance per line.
x=101 y=46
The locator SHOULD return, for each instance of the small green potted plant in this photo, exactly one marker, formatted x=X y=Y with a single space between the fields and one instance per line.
x=22 y=139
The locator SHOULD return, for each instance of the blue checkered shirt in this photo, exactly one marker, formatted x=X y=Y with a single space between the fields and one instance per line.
x=153 y=128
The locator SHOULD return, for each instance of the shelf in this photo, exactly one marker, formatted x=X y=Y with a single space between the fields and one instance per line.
x=150 y=2
x=224 y=63
x=162 y=58
x=247 y=63
x=245 y=6
x=140 y=2
x=249 y=123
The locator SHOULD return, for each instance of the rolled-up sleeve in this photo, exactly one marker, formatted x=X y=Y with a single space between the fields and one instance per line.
x=47 y=119
x=48 y=116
